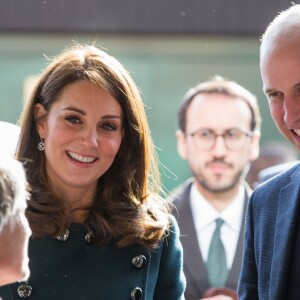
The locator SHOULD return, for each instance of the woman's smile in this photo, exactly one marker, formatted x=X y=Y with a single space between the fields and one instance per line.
x=81 y=158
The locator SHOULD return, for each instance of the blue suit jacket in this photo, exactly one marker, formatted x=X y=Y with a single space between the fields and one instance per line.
x=271 y=224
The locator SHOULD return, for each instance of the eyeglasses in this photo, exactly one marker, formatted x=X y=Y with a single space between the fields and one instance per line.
x=234 y=138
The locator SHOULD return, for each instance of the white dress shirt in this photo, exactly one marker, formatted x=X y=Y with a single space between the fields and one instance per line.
x=204 y=216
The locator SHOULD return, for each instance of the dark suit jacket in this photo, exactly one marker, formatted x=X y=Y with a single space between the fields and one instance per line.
x=194 y=267
x=271 y=225
x=75 y=270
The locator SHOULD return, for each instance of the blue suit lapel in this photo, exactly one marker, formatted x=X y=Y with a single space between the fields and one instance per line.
x=286 y=223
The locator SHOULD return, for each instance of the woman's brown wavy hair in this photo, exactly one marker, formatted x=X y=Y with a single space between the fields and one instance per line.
x=127 y=207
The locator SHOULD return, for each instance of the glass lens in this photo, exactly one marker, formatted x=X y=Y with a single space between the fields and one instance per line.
x=234 y=138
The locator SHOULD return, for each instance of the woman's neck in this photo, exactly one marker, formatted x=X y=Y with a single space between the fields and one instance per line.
x=80 y=215
x=79 y=201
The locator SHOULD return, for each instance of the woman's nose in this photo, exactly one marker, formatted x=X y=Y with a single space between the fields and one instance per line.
x=90 y=137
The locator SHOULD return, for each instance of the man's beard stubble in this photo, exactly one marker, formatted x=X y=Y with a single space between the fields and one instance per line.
x=213 y=188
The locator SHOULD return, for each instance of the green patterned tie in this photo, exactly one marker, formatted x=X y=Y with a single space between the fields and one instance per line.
x=216 y=262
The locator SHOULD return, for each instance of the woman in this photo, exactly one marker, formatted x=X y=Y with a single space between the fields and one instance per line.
x=100 y=230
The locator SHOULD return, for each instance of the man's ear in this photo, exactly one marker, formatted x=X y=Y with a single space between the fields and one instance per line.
x=181 y=144
x=254 y=151
x=40 y=114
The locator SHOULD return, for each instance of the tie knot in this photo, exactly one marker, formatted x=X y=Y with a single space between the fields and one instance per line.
x=219 y=223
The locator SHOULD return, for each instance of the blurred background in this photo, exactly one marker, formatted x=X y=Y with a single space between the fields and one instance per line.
x=167 y=46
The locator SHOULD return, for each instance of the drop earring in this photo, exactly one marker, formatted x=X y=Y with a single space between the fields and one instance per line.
x=41 y=145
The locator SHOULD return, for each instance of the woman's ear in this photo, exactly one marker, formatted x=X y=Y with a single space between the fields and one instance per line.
x=40 y=114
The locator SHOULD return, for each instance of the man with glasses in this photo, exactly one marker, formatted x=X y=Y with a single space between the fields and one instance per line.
x=219 y=123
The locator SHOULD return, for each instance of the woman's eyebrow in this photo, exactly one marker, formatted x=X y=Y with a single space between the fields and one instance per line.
x=82 y=112
x=78 y=110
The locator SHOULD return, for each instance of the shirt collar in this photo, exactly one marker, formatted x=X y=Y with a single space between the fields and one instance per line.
x=204 y=214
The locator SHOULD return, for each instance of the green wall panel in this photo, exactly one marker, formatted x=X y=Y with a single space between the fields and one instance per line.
x=163 y=67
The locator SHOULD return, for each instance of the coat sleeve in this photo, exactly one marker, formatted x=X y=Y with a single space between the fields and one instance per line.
x=248 y=282
x=171 y=282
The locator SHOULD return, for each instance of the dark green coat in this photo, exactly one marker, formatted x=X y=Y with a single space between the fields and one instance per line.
x=74 y=269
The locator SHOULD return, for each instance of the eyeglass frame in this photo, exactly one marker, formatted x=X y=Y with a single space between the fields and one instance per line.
x=223 y=135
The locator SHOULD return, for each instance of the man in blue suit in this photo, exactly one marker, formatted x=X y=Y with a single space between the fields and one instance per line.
x=271 y=262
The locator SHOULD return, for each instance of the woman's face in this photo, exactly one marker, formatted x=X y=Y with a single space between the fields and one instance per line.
x=82 y=132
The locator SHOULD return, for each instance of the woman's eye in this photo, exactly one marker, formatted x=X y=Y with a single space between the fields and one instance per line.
x=108 y=127
x=73 y=120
